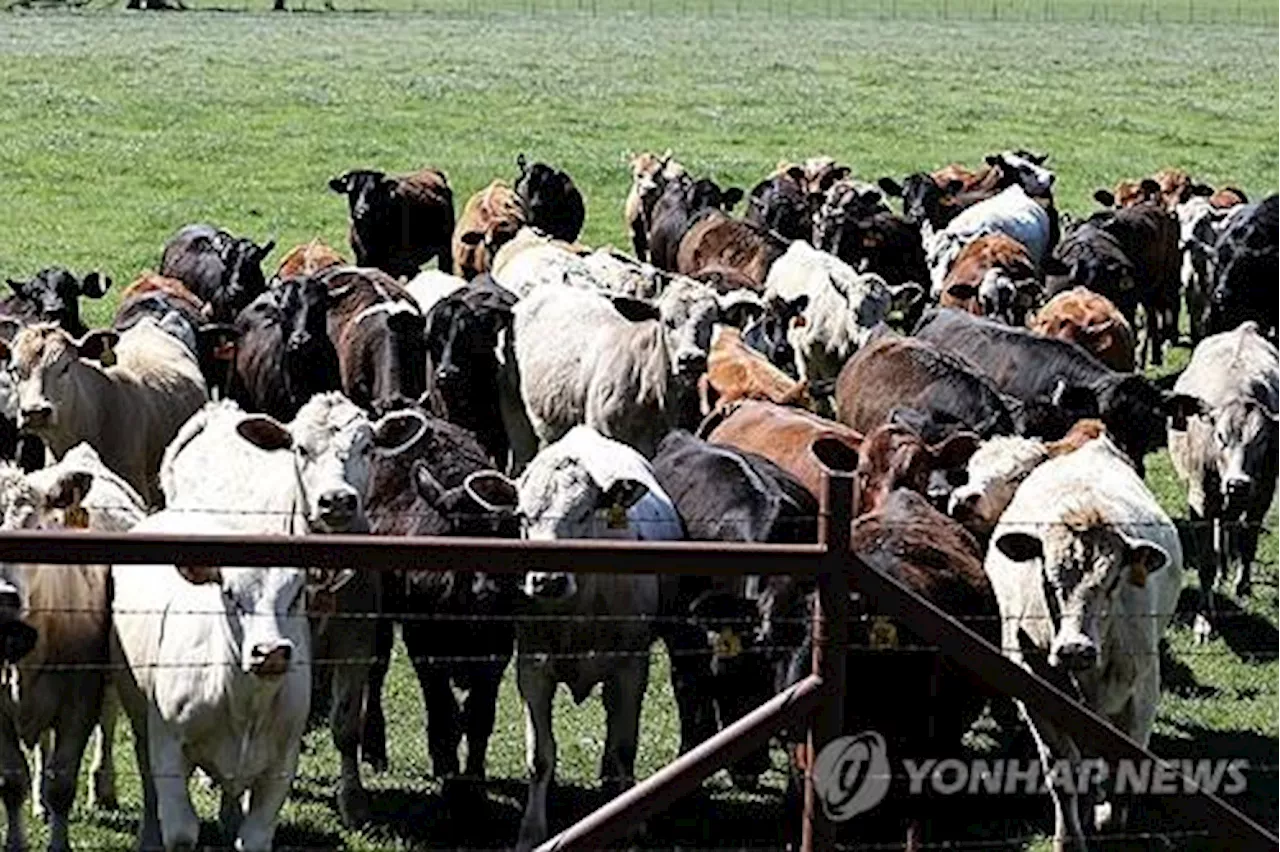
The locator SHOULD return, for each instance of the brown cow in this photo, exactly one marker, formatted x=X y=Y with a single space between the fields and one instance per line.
x=398 y=223
x=490 y=218
x=735 y=371
x=1169 y=188
x=1228 y=197
x=719 y=241
x=993 y=276
x=308 y=259
x=649 y=176
x=1091 y=321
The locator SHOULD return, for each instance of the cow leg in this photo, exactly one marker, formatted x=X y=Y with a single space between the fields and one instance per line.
x=231 y=814
x=44 y=748
x=623 y=695
x=17 y=783
x=1247 y=550
x=1053 y=745
x=102 y=790
x=59 y=778
x=640 y=241
x=478 y=713
x=1205 y=553
x=444 y=731
x=689 y=673
x=537 y=689
x=170 y=772
x=266 y=797
x=373 y=746
x=344 y=723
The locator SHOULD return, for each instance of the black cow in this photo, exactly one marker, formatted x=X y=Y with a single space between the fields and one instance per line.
x=550 y=199
x=871 y=239
x=723 y=494
x=462 y=339
x=223 y=271
x=767 y=334
x=397 y=224
x=682 y=201
x=1030 y=367
x=780 y=203
x=1245 y=270
x=461 y=631
x=285 y=356
x=53 y=295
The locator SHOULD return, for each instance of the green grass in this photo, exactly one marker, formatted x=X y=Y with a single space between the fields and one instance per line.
x=117 y=129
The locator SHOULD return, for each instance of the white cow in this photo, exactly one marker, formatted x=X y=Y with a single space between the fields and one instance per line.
x=213 y=670
x=586 y=486
x=54 y=620
x=430 y=286
x=587 y=358
x=1227 y=456
x=1199 y=226
x=256 y=475
x=843 y=306
x=128 y=409
x=1011 y=212
x=1087 y=568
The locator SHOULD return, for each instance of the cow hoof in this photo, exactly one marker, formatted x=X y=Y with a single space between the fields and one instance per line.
x=353 y=805
x=1202 y=629
x=1243 y=590
x=376 y=762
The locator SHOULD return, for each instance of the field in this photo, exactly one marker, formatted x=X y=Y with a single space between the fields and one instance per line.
x=117 y=129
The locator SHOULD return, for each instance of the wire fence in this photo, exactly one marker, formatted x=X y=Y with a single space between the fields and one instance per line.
x=1101 y=12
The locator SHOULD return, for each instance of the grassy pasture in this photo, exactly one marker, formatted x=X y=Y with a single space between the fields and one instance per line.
x=117 y=129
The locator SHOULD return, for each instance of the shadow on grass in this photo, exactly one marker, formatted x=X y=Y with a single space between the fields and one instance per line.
x=1250 y=637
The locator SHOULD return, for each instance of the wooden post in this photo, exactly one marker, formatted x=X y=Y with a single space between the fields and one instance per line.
x=830 y=647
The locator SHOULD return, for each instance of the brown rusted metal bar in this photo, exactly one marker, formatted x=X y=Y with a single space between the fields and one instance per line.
x=830 y=645
x=494 y=555
x=689 y=770
x=886 y=595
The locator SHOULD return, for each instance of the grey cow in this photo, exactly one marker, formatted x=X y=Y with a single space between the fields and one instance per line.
x=1228 y=457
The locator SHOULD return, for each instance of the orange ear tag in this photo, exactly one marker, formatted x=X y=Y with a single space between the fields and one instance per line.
x=76 y=517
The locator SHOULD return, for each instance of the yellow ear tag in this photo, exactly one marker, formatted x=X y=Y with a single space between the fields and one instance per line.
x=727 y=645
x=108 y=358
x=76 y=517
x=617 y=517
x=883 y=634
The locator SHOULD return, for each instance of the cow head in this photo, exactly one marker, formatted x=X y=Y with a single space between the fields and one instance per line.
x=1129 y=193
x=1243 y=436
x=303 y=305
x=992 y=475
x=483 y=505
x=242 y=278
x=781 y=204
x=53 y=295
x=768 y=334
x=706 y=194
x=1134 y=410
x=1026 y=169
x=895 y=456
x=333 y=442
x=540 y=186
x=922 y=198
x=370 y=194
x=265 y=611
x=650 y=174
x=46 y=364
x=689 y=311
x=462 y=332
x=1097 y=263
x=846 y=213
x=1082 y=563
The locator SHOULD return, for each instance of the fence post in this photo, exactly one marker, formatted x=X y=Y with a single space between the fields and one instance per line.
x=830 y=647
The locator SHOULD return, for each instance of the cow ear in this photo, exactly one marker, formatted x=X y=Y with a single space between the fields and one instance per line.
x=1074 y=397
x=471 y=238
x=636 y=310
x=731 y=197
x=5 y=352
x=217 y=341
x=97 y=345
x=1054 y=266
x=199 y=575
x=905 y=296
x=954 y=450
x=9 y=329
x=796 y=306
x=994 y=159
x=834 y=454
x=623 y=492
x=69 y=490
x=1201 y=190
x=796 y=173
x=890 y=186
x=1020 y=546
x=265 y=433
x=397 y=431
x=95 y=285
x=1149 y=186
x=260 y=252
x=493 y=491
x=1180 y=407
x=341 y=184
x=1145 y=557
x=1105 y=198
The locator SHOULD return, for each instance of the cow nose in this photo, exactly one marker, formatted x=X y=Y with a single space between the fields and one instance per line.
x=447 y=372
x=1237 y=486
x=963 y=505
x=35 y=416
x=1077 y=654
x=549 y=585
x=337 y=507
x=270 y=659
x=298 y=340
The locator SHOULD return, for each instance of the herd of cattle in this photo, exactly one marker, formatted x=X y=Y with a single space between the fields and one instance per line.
x=972 y=360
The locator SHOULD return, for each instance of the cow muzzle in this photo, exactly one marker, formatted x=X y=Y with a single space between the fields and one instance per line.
x=35 y=417
x=1073 y=653
x=1236 y=490
x=337 y=511
x=549 y=585
x=270 y=659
